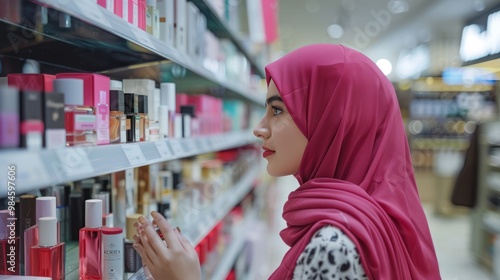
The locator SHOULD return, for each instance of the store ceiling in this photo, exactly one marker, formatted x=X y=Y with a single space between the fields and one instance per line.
x=379 y=28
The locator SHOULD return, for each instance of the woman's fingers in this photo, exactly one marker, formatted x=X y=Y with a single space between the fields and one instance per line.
x=146 y=260
x=168 y=232
x=150 y=239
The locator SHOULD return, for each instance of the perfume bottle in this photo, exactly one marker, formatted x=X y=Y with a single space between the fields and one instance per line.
x=90 y=266
x=107 y=216
x=112 y=253
x=27 y=218
x=143 y=113
x=133 y=118
x=117 y=119
x=80 y=120
x=143 y=189
x=48 y=256
x=152 y=19
x=45 y=207
x=166 y=190
x=9 y=244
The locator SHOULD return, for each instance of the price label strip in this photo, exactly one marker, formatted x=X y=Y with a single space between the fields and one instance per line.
x=74 y=162
x=163 y=149
x=201 y=143
x=190 y=146
x=134 y=154
x=176 y=146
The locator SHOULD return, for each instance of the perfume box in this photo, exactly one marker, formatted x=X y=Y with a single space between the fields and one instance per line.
x=96 y=94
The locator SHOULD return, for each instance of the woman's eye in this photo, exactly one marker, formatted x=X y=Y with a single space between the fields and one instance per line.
x=276 y=110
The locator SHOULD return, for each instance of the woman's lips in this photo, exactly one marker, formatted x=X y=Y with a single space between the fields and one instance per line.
x=267 y=152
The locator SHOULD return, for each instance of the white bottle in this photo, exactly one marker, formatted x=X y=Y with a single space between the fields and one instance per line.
x=112 y=253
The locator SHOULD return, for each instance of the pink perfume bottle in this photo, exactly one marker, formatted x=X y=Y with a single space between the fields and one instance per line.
x=45 y=207
x=47 y=258
x=80 y=120
x=90 y=241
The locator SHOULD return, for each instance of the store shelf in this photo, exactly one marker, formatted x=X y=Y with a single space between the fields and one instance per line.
x=238 y=240
x=201 y=226
x=221 y=29
x=207 y=219
x=45 y=167
x=111 y=46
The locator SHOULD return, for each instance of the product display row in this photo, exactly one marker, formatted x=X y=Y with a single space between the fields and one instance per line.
x=71 y=109
x=65 y=27
x=194 y=194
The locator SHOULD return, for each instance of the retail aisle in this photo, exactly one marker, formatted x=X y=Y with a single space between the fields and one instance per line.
x=450 y=235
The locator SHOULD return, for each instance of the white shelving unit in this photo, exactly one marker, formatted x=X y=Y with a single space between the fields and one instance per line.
x=41 y=168
x=101 y=42
x=486 y=216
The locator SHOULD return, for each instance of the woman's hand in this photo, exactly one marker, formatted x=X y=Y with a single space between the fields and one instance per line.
x=175 y=260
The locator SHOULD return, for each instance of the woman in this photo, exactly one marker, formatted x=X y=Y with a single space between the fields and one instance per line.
x=333 y=121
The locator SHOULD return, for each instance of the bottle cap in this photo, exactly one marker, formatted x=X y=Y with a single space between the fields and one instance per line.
x=188 y=110
x=115 y=85
x=143 y=103
x=93 y=213
x=116 y=100
x=45 y=207
x=72 y=90
x=47 y=231
x=131 y=103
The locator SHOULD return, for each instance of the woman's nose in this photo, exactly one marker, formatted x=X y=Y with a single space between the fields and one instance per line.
x=261 y=131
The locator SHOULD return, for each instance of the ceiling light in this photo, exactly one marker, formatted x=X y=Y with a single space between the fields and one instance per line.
x=335 y=31
x=384 y=65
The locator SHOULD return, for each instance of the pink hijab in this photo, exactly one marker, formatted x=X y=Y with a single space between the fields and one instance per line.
x=356 y=171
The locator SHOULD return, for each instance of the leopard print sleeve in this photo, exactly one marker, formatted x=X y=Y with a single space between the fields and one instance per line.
x=329 y=255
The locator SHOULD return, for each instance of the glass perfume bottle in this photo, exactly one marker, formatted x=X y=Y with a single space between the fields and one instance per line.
x=47 y=258
x=143 y=113
x=133 y=118
x=9 y=247
x=90 y=241
x=45 y=207
x=117 y=118
x=80 y=120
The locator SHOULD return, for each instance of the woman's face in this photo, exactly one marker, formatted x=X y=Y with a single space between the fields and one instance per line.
x=283 y=142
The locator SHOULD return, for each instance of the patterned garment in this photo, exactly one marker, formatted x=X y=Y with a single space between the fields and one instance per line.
x=329 y=255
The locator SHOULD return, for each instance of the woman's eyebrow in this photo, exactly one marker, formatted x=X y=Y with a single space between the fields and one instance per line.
x=273 y=98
